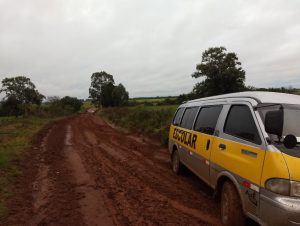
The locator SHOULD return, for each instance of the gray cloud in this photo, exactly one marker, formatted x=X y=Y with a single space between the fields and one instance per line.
x=151 y=47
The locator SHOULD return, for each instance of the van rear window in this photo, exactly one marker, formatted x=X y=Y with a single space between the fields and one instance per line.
x=207 y=119
x=189 y=117
x=240 y=123
x=178 y=116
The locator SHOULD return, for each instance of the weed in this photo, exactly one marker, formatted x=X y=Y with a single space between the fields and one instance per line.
x=15 y=137
x=152 y=120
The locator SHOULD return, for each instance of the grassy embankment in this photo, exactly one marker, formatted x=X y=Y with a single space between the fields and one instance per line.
x=15 y=137
x=151 y=120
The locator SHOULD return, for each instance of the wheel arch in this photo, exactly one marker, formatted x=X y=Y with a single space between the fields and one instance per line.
x=222 y=178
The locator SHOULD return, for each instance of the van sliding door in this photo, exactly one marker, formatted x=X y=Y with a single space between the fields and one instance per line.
x=205 y=125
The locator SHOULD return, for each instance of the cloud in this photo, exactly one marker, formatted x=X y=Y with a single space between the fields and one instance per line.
x=152 y=47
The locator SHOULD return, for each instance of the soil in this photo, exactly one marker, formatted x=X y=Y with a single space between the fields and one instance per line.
x=81 y=171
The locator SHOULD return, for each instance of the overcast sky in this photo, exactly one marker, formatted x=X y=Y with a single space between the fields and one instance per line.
x=151 y=46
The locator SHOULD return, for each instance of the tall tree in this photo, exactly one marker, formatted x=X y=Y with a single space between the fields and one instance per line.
x=98 y=81
x=222 y=73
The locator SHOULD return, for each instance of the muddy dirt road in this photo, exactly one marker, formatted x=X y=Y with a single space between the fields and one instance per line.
x=83 y=172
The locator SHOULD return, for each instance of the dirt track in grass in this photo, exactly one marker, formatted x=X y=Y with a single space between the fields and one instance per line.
x=81 y=171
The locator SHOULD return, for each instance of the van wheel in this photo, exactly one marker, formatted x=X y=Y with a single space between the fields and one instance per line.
x=231 y=207
x=177 y=166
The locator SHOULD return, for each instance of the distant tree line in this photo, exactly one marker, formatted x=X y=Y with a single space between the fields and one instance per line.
x=105 y=93
x=22 y=98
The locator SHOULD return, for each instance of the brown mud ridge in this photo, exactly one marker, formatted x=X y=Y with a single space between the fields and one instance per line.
x=81 y=171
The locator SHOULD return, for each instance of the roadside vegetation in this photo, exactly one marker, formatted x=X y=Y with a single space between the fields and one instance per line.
x=150 y=120
x=15 y=138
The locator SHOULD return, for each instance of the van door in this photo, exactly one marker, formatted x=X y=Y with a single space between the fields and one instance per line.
x=240 y=150
x=205 y=129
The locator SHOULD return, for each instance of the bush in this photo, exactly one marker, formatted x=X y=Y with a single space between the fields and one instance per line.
x=153 y=120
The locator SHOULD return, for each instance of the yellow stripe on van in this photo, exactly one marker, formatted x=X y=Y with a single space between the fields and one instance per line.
x=191 y=140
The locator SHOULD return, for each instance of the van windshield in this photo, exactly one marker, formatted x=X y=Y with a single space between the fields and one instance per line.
x=288 y=140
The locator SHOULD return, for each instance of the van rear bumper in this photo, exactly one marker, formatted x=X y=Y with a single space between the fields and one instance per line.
x=279 y=210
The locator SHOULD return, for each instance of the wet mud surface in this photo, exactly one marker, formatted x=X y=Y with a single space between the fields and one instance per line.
x=81 y=171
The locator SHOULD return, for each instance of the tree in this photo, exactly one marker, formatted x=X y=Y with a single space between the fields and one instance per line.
x=106 y=95
x=119 y=95
x=19 y=92
x=22 y=89
x=222 y=71
x=98 y=81
x=11 y=106
x=71 y=102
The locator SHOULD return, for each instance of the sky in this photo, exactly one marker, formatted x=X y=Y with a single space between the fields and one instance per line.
x=150 y=46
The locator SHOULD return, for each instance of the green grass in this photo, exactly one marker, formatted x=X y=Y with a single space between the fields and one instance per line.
x=15 y=137
x=152 y=101
x=151 y=120
x=86 y=105
x=297 y=92
x=142 y=100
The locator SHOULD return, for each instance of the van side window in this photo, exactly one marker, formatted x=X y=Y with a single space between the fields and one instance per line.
x=178 y=116
x=189 y=117
x=240 y=123
x=207 y=119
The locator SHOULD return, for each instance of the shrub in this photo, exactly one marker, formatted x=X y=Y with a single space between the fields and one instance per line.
x=153 y=120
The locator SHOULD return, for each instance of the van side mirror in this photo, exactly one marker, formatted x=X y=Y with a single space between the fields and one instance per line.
x=274 y=122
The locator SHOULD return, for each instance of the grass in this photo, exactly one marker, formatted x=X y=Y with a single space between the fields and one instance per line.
x=141 y=100
x=151 y=120
x=152 y=101
x=15 y=137
x=298 y=92
x=86 y=105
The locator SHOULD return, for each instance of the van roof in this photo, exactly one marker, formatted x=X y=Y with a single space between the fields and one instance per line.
x=258 y=96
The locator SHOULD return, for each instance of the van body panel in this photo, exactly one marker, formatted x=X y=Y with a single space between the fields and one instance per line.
x=234 y=159
x=293 y=164
x=203 y=149
x=195 y=150
x=274 y=167
x=278 y=210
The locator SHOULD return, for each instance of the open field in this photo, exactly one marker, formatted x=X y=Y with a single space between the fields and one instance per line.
x=15 y=138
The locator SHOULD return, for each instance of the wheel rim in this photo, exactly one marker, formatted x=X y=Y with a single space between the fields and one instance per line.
x=224 y=207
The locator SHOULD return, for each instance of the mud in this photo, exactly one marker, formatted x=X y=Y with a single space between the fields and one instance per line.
x=81 y=171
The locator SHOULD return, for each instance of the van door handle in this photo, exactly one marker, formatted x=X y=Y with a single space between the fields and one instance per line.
x=222 y=147
x=207 y=145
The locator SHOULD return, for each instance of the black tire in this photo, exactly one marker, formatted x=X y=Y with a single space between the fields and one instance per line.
x=177 y=166
x=231 y=206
